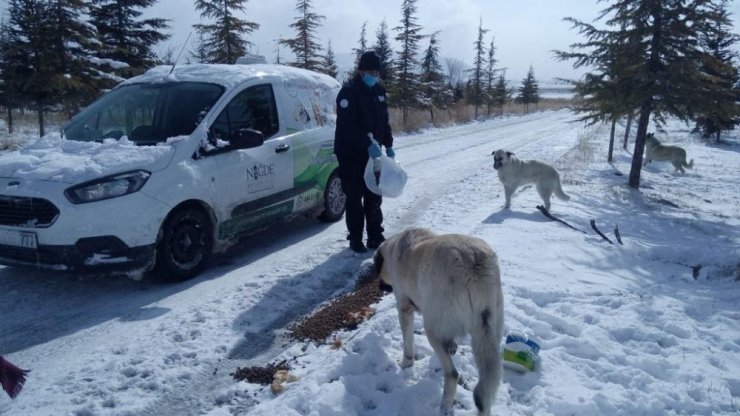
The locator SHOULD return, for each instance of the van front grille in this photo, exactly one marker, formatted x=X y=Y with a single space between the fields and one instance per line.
x=27 y=212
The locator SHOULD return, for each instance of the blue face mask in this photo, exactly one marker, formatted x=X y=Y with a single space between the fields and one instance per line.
x=369 y=80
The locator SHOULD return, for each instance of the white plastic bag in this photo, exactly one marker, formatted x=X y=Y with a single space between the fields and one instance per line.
x=392 y=177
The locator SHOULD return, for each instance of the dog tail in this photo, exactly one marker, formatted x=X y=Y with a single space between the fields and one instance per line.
x=689 y=165
x=559 y=192
x=486 y=342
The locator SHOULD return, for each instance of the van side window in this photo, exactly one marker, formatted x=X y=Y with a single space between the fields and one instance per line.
x=253 y=108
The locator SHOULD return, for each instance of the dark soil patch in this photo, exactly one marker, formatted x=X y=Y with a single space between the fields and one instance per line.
x=343 y=313
x=260 y=375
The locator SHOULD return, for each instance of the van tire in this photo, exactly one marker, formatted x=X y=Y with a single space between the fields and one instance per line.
x=335 y=202
x=186 y=245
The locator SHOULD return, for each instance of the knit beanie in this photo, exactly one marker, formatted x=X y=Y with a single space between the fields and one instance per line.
x=369 y=61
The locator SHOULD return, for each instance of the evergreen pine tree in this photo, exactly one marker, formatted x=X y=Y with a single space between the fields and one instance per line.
x=408 y=82
x=721 y=112
x=76 y=73
x=490 y=77
x=224 y=38
x=434 y=89
x=305 y=46
x=476 y=84
x=529 y=91
x=604 y=95
x=199 y=50
x=27 y=56
x=501 y=94
x=384 y=49
x=124 y=36
x=329 y=66
x=361 y=43
x=278 y=56
x=663 y=69
x=9 y=94
x=358 y=51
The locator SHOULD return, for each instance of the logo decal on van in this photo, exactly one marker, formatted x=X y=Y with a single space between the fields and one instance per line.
x=260 y=177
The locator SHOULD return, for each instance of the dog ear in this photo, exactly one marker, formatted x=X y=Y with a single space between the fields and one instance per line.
x=509 y=154
x=377 y=268
x=494 y=152
x=378 y=262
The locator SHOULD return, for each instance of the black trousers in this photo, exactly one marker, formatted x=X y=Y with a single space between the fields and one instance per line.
x=363 y=206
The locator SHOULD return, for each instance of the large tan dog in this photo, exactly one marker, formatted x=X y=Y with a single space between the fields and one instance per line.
x=654 y=150
x=454 y=281
x=514 y=173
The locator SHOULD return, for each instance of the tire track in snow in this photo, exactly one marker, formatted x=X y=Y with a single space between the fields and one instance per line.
x=283 y=303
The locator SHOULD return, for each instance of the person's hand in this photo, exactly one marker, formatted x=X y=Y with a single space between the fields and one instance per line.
x=390 y=152
x=373 y=150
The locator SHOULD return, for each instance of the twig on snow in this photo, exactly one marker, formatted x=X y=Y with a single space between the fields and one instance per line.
x=593 y=225
x=546 y=213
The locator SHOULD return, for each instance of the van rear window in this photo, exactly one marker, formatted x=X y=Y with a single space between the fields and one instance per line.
x=145 y=113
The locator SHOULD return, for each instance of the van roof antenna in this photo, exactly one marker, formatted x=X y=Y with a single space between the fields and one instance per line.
x=178 y=55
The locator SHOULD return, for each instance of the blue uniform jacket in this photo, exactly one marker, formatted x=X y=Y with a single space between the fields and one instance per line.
x=360 y=110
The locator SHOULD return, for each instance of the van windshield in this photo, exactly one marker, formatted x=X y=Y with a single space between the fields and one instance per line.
x=145 y=113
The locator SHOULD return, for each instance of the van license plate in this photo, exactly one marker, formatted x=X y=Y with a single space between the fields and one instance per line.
x=25 y=239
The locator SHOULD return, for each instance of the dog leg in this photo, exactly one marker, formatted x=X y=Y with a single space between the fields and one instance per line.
x=451 y=347
x=450 y=374
x=508 y=192
x=406 y=319
x=545 y=194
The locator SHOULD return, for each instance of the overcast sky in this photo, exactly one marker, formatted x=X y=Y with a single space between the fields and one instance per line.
x=525 y=32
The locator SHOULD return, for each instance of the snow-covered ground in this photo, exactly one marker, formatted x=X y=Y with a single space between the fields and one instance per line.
x=624 y=329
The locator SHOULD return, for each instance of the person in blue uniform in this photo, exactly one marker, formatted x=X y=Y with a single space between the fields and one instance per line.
x=362 y=113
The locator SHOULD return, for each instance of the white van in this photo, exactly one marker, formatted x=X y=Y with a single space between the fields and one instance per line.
x=170 y=166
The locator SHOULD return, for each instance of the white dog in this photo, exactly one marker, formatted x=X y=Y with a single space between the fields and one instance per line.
x=454 y=281
x=674 y=154
x=514 y=173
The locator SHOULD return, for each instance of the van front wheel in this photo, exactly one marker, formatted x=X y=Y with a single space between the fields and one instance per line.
x=335 y=201
x=186 y=245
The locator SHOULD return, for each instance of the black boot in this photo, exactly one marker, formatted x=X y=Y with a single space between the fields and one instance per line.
x=357 y=246
x=375 y=241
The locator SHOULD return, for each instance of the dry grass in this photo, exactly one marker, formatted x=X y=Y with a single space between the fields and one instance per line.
x=465 y=113
x=26 y=123
x=573 y=165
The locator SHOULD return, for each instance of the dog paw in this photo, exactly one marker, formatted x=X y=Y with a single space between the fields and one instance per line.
x=406 y=362
x=446 y=412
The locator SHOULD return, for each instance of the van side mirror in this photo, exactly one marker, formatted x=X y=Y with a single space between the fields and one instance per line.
x=247 y=139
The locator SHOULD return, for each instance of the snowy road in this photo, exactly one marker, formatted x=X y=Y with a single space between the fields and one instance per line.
x=68 y=328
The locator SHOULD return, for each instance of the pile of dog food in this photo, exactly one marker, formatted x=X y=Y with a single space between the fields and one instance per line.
x=343 y=313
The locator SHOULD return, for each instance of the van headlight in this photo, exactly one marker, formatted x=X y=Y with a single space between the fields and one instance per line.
x=107 y=187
